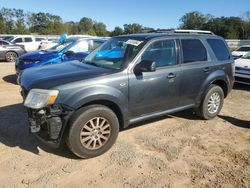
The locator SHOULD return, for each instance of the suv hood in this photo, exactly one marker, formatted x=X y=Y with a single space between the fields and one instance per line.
x=50 y=76
x=244 y=63
x=39 y=56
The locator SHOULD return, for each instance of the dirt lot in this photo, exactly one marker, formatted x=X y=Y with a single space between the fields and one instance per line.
x=174 y=151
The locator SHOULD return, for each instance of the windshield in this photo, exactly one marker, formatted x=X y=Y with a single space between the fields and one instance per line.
x=246 y=56
x=115 y=53
x=59 y=47
x=8 y=38
x=243 y=49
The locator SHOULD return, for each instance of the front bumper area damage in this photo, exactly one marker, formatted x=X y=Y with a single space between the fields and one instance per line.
x=48 y=124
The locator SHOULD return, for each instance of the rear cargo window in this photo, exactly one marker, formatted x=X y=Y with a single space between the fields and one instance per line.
x=219 y=48
x=193 y=50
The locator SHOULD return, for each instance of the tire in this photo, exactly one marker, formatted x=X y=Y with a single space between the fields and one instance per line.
x=212 y=103
x=86 y=140
x=11 y=56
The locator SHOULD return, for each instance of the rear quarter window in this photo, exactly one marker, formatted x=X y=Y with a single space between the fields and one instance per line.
x=193 y=51
x=219 y=48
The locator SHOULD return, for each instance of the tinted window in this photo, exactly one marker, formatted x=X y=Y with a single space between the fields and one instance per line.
x=28 y=39
x=163 y=53
x=193 y=50
x=219 y=48
x=244 y=49
x=39 y=39
x=18 y=40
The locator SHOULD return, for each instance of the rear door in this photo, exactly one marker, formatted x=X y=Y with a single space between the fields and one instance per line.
x=195 y=68
x=152 y=92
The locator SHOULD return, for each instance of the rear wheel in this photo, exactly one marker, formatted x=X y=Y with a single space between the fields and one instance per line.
x=11 y=56
x=212 y=103
x=93 y=130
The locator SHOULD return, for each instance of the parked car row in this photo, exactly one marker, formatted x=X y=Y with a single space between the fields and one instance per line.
x=71 y=49
x=9 y=51
x=125 y=80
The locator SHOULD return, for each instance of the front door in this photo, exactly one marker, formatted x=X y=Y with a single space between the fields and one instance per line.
x=156 y=91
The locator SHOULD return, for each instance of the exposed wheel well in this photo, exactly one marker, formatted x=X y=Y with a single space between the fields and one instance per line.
x=113 y=106
x=223 y=85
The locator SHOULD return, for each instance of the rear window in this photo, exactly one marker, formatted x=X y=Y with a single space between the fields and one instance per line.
x=28 y=39
x=193 y=50
x=219 y=48
x=244 y=49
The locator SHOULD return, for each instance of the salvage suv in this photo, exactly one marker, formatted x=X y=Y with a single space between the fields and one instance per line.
x=128 y=79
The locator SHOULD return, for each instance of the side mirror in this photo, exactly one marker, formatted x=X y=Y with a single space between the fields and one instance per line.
x=69 y=53
x=145 y=66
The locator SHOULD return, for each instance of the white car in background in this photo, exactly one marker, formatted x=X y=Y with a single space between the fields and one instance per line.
x=29 y=42
x=241 y=51
x=242 y=69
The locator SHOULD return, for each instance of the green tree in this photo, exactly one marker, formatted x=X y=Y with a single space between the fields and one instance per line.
x=45 y=23
x=100 y=29
x=132 y=28
x=117 y=31
x=193 y=20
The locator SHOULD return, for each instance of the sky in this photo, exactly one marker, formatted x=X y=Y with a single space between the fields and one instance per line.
x=150 y=13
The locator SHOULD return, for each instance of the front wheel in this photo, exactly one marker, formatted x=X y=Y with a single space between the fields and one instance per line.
x=212 y=103
x=93 y=130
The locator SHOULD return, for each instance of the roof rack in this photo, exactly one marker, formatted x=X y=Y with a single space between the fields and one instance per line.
x=181 y=31
x=193 y=31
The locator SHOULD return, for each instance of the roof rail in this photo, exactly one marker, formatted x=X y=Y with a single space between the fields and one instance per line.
x=171 y=31
x=193 y=31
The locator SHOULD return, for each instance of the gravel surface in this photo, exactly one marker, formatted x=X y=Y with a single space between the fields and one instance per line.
x=179 y=150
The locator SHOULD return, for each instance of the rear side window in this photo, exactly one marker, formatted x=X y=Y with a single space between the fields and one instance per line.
x=193 y=50
x=27 y=39
x=219 y=48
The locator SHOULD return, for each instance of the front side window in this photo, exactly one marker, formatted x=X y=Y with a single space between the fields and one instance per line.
x=163 y=53
x=193 y=50
x=219 y=48
x=115 y=53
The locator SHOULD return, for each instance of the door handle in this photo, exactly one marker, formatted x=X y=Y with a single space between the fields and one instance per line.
x=171 y=75
x=207 y=69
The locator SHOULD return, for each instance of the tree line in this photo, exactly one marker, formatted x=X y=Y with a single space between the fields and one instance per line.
x=17 y=21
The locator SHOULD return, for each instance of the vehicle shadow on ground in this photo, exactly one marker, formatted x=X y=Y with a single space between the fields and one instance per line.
x=10 y=79
x=236 y=122
x=14 y=132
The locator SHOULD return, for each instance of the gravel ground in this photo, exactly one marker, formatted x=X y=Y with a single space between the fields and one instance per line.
x=174 y=151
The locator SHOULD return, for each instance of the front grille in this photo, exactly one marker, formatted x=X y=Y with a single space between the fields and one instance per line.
x=242 y=68
x=241 y=79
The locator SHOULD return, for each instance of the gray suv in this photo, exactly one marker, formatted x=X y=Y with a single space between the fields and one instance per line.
x=128 y=79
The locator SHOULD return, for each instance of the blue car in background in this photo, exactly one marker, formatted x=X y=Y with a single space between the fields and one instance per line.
x=70 y=49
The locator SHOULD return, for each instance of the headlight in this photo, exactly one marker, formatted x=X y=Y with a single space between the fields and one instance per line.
x=39 y=98
x=30 y=62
